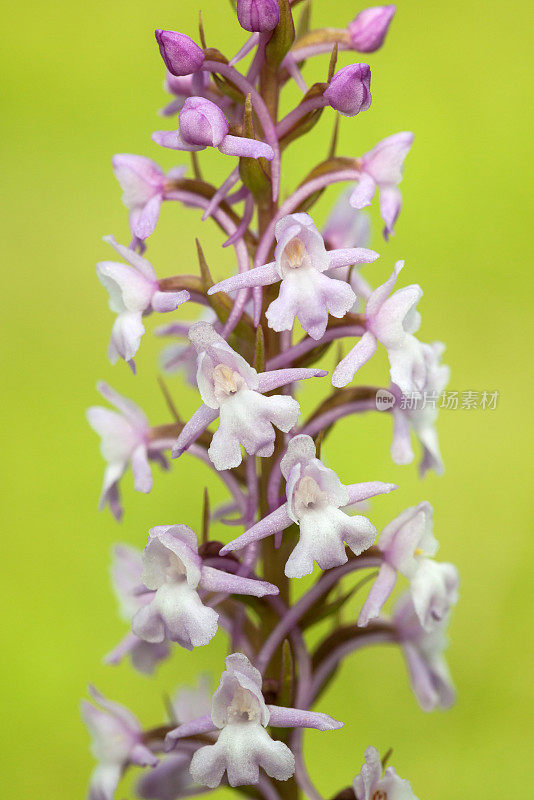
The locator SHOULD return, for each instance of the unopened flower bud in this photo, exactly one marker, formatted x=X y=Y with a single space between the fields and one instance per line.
x=368 y=30
x=180 y=53
x=202 y=123
x=258 y=15
x=349 y=90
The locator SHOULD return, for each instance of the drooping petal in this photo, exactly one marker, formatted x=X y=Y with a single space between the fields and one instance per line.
x=354 y=360
x=198 y=423
x=363 y=192
x=390 y=207
x=380 y=591
x=194 y=727
x=145 y=220
x=401 y=447
x=142 y=473
x=126 y=335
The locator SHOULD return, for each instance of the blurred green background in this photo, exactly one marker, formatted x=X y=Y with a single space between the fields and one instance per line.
x=82 y=82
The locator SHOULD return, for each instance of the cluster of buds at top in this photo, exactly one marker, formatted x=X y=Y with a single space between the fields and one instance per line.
x=244 y=358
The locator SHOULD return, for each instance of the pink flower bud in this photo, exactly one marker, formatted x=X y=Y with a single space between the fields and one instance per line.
x=202 y=123
x=369 y=29
x=349 y=90
x=180 y=53
x=258 y=15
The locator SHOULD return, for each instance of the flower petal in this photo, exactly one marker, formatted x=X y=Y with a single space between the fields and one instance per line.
x=354 y=360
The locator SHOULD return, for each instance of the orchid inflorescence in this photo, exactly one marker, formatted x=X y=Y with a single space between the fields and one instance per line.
x=244 y=360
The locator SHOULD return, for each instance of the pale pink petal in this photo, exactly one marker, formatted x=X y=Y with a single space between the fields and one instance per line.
x=363 y=192
x=354 y=360
x=282 y=717
x=246 y=148
x=141 y=469
x=215 y=580
x=380 y=591
x=259 y=276
x=198 y=423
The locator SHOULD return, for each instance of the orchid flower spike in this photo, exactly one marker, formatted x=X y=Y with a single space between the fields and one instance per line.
x=240 y=715
x=144 y=185
x=174 y=573
x=127 y=571
x=392 y=321
x=315 y=496
x=133 y=292
x=117 y=741
x=406 y=544
x=203 y=124
x=171 y=778
x=306 y=293
x=125 y=440
x=382 y=167
x=423 y=651
x=233 y=391
x=419 y=413
x=370 y=785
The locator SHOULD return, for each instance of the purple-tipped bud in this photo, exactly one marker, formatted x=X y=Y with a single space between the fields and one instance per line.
x=368 y=30
x=180 y=53
x=258 y=15
x=349 y=91
x=202 y=123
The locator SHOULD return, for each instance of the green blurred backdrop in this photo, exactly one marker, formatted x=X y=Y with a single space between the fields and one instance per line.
x=83 y=81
